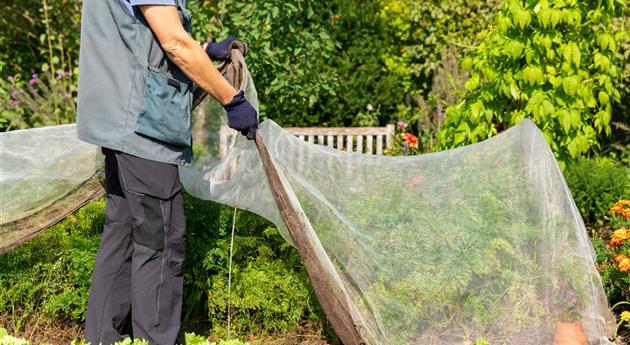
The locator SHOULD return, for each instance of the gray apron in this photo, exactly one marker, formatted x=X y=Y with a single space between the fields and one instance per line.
x=131 y=97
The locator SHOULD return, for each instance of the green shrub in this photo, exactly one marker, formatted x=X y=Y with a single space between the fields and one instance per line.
x=267 y=294
x=595 y=186
x=39 y=36
x=330 y=63
x=289 y=45
x=270 y=288
x=423 y=31
x=50 y=275
x=554 y=62
x=191 y=339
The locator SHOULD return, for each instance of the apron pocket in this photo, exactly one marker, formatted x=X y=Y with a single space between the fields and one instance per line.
x=165 y=113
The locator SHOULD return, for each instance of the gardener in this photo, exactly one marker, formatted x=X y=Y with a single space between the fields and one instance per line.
x=137 y=61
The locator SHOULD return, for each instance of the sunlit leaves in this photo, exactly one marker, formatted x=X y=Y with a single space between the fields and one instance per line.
x=571 y=53
x=551 y=61
x=571 y=84
x=515 y=49
x=521 y=16
x=533 y=75
x=607 y=41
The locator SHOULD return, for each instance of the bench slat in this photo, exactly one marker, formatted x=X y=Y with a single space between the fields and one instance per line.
x=379 y=144
x=337 y=130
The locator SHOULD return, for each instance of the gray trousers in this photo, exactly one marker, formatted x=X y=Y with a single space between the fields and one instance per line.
x=137 y=282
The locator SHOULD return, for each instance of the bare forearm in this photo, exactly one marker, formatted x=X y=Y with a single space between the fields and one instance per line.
x=185 y=52
x=188 y=55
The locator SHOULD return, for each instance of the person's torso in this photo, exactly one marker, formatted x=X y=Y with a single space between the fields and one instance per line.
x=131 y=98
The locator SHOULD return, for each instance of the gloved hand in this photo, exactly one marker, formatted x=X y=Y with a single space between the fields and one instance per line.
x=221 y=50
x=242 y=116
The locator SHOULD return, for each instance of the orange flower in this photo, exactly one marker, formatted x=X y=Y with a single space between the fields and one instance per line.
x=619 y=237
x=620 y=207
x=623 y=262
x=411 y=140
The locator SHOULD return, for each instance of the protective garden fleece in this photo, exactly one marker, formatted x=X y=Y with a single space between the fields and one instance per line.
x=479 y=242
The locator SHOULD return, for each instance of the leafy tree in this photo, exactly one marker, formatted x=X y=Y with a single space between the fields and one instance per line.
x=427 y=40
x=423 y=31
x=289 y=44
x=39 y=36
x=554 y=62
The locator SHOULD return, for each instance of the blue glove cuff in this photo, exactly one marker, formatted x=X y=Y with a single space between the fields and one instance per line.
x=238 y=99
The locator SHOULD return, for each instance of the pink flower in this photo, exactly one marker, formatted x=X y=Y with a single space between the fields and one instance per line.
x=414 y=181
x=401 y=124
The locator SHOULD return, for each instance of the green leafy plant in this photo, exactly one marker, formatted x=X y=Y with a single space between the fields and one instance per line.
x=288 y=42
x=190 y=339
x=595 y=185
x=270 y=289
x=449 y=250
x=49 y=277
x=554 y=62
x=40 y=101
x=423 y=31
x=40 y=35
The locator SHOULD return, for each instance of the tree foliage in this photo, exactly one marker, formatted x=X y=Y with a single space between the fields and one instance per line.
x=39 y=36
x=289 y=44
x=423 y=32
x=554 y=62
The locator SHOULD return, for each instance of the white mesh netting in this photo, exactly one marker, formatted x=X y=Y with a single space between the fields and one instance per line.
x=483 y=241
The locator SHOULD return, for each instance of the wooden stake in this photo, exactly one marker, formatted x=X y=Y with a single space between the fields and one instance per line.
x=326 y=283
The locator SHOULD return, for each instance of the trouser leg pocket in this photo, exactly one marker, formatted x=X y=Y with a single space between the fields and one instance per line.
x=159 y=236
x=149 y=221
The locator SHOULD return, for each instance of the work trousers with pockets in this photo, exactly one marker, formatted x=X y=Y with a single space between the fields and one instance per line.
x=137 y=282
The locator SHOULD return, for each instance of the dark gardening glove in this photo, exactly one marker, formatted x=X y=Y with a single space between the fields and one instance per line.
x=222 y=50
x=242 y=116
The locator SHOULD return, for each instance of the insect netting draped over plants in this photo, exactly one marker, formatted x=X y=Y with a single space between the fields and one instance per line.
x=483 y=241
x=45 y=173
x=480 y=242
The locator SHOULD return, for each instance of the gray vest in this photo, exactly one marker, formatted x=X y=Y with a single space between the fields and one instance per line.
x=131 y=97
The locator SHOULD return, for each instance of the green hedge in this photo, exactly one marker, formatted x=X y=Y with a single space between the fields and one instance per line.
x=190 y=339
x=315 y=62
x=50 y=275
x=596 y=186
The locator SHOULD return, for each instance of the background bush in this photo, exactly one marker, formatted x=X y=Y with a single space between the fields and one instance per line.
x=336 y=63
x=49 y=277
x=554 y=62
x=595 y=186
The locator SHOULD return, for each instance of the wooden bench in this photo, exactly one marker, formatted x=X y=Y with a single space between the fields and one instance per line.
x=367 y=140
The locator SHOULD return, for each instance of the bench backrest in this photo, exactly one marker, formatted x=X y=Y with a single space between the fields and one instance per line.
x=367 y=140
